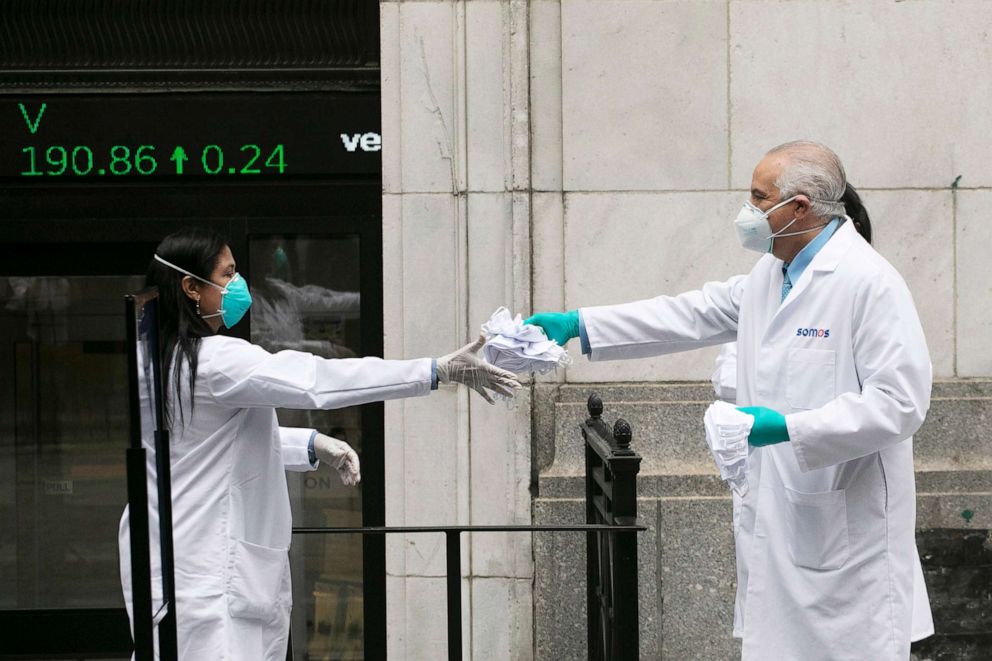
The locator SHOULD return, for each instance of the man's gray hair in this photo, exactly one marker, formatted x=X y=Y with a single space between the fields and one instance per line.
x=813 y=170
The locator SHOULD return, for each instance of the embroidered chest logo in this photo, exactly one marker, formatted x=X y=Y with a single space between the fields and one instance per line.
x=813 y=332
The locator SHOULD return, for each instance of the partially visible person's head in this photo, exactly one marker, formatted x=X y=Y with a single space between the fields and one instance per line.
x=856 y=212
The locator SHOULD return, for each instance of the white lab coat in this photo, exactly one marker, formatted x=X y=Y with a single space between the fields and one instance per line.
x=826 y=555
x=231 y=510
x=724 y=378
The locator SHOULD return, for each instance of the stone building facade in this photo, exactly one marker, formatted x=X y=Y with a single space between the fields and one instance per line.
x=551 y=154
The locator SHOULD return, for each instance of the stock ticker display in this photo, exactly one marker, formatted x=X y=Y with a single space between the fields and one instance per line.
x=187 y=136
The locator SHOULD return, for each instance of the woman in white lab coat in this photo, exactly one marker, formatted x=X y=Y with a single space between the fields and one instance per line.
x=232 y=522
x=834 y=367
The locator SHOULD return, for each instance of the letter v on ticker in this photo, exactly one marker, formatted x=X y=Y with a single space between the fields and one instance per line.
x=351 y=142
x=33 y=128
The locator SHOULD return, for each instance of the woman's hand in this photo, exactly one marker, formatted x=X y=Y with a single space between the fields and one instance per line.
x=464 y=366
x=340 y=456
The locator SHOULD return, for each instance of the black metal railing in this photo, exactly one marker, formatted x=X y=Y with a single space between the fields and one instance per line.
x=611 y=530
x=611 y=500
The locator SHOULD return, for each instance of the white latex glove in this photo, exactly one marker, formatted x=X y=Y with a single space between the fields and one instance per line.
x=340 y=456
x=466 y=367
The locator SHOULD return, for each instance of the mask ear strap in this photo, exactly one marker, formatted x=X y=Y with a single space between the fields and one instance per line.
x=192 y=275
x=780 y=204
x=811 y=229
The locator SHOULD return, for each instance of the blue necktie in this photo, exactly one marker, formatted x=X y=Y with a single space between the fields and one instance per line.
x=786 y=283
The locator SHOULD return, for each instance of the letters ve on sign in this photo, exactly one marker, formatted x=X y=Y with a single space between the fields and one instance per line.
x=367 y=141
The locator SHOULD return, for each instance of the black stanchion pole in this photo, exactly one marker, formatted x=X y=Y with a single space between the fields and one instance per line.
x=141 y=578
x=137 y=498
x=167 y=635
x=454 y=558
x=141 y=312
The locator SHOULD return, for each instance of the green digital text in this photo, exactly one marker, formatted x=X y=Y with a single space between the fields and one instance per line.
x=147 y=160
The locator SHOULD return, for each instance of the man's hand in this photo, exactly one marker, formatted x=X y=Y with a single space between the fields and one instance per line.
x=464 y=366
x=769 y=426
x=340 y=456
x=558 y=326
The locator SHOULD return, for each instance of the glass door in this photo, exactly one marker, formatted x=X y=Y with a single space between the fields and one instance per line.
x=63 y=423
x=307 y=297
x=62 y=476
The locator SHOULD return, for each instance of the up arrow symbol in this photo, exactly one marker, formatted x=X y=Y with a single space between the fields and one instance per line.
x=33 y=128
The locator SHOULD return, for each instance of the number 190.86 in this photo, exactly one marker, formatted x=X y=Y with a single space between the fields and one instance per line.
x=79 y=160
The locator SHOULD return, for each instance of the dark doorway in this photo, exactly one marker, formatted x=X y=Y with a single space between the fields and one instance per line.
x=311 y=250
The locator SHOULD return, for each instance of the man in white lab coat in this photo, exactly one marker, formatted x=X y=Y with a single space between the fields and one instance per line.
x=834 y=367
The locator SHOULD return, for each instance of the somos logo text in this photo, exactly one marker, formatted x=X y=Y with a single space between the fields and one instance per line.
x=813 y=332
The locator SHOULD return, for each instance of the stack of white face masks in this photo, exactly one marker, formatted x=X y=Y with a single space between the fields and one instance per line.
x=518 y=347
x=727 y=430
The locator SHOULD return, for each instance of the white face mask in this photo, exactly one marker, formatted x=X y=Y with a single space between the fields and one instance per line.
x=755 y=232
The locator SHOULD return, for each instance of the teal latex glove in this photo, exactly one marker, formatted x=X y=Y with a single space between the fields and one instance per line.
x=769 y=426
x=558 y=326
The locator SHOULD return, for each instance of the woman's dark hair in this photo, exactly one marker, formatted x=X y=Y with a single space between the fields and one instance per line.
x=197 y=251
x=857 y=212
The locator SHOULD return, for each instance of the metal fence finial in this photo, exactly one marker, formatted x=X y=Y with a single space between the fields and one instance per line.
x=595 y=406
x=622 y=434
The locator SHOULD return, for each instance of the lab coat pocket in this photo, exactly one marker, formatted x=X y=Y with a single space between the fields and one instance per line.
x=810 y=378
x=255 y=579
x=817 y=525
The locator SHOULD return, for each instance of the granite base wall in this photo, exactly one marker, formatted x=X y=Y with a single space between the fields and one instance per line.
x=686 y=568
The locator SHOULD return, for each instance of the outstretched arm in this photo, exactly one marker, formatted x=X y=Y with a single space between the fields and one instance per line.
x=665 y=324
x=237 y=373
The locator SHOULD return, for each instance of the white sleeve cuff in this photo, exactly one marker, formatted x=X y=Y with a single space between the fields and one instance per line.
x=295 y=449
x=797 y=442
